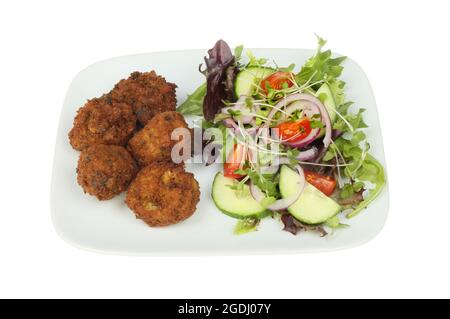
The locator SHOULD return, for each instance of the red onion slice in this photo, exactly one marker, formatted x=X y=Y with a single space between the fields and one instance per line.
x=256 y=192
x=307 y=107
x=314 y=101
x=254 y=128
x=308 y=154
x=284 y=203
x=230 y=123
x=246 y=119
x=303 y=142
x=240 y=103
x=275 y=109
x=284 y=160
x=307 y=140
x=324 y=114
x=252 y=155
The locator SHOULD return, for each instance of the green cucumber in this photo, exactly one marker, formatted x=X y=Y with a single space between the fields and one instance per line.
x=313 y=206
x=329 y=103
x=247 y=78
x=237 y=204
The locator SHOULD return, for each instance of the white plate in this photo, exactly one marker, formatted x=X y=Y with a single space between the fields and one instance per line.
x=110 y=227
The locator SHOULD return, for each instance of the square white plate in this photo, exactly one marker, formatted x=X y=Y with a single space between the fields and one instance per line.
x=110 y=227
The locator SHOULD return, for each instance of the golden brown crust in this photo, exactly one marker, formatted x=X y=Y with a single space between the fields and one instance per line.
x=148 y=94
x=102 y=121
x=105 y=170
x=153 y=143
x=163 y=194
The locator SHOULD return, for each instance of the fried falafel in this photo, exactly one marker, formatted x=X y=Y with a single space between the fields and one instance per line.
x=102 y=121
x=163 y=194
x=105 y=170
x=153 y=143
x=148 y=94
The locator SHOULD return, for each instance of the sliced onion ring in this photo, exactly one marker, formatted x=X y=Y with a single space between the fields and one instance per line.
x=230 y=123
x=240 y=106
x=324 y=114
x=308 y=107
x=308 y=154
x=256 y=192
x=311 y=137
x=284 y=203
x=314 y=101
x=280 y=105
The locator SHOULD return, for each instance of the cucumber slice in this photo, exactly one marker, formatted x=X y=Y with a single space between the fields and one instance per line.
x=237 y=204
x=247 y=78
x=313 y=206
x=329 y=103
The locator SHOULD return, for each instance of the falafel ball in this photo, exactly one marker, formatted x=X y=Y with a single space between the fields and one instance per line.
x=163 y=194
x=153 y=143
x=102 y=121
x=148 y=94
x=105 y=170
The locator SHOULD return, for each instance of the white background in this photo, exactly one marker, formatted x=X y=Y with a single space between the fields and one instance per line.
x=402 y=45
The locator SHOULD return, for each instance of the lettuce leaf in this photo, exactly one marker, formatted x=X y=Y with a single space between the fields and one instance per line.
x=194 y=102
x=266 y=182
x=321 y=67
x=293 y=226
x=352 y=146
x=371 y=171
x=221 y=70
x=334 y=222
x=247 y=225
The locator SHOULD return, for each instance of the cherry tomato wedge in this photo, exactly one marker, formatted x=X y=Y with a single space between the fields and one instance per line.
x=326 y=184
x=276 y=81
x=234 y=161
x=294 y=131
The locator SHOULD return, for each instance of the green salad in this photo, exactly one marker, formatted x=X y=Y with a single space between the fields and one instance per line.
x=292 y=146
